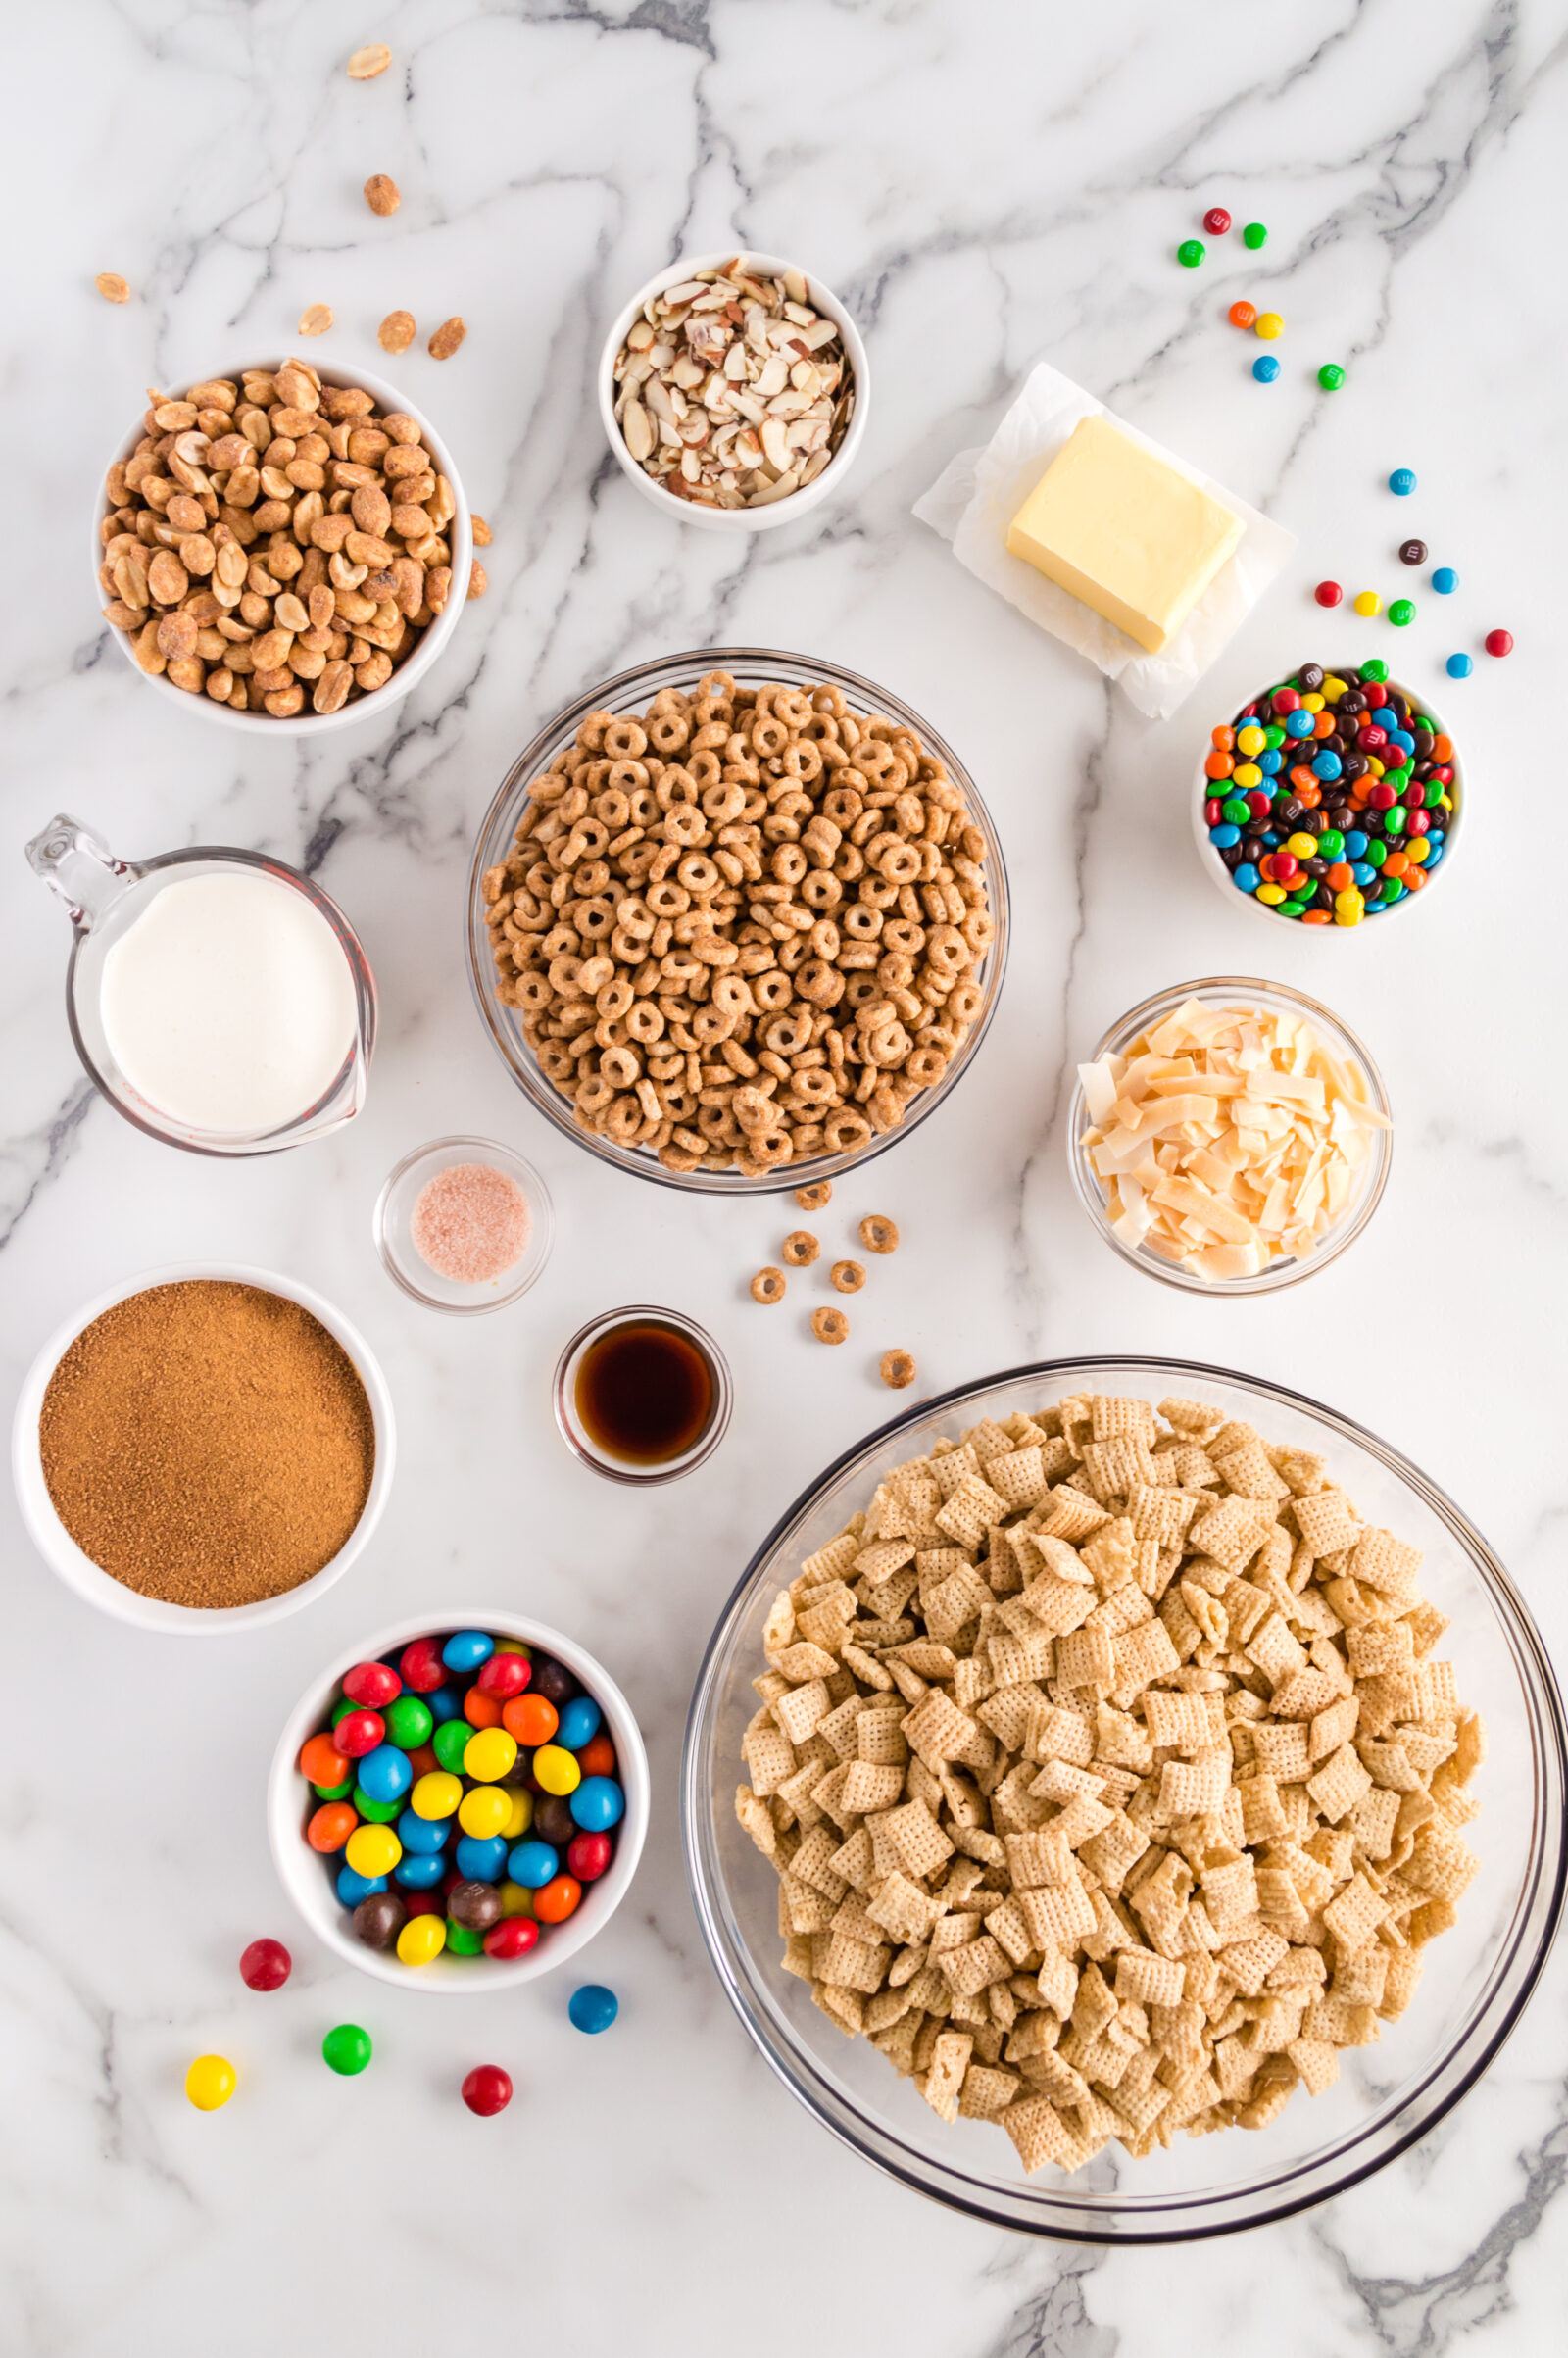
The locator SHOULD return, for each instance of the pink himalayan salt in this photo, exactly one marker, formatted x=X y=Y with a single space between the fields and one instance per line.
x=471 y=1223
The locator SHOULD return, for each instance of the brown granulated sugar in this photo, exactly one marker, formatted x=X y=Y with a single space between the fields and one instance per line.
x=209 y=1443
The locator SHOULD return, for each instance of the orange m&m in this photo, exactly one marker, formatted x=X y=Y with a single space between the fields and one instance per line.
x=530 y=1719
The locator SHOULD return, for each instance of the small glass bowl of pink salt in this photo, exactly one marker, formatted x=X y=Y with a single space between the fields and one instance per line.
x=463 y=1224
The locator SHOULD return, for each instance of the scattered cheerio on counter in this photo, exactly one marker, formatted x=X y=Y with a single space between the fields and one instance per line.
x=1151 y=607
x=1228 y=1138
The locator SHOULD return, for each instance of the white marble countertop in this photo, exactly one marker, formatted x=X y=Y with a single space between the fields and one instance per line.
x=985 y=187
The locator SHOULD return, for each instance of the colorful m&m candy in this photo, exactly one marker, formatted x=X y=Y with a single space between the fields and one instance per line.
x=1354 y=814
x=466 y=1798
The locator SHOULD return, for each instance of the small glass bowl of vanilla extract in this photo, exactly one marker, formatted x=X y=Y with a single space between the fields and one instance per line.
x=643 y=1394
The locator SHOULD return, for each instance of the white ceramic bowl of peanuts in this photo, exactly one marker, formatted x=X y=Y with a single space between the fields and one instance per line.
x=169 y=625
x=778 y=387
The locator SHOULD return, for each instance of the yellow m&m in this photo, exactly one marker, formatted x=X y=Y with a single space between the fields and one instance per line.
x=372 y=1850
x=554 y=1767
x=422 y=1938
x=209 y=2081
x=489 y=1755
x=436 y=1794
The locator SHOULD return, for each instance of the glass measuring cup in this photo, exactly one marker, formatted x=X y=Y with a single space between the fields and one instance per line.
x=106 y=896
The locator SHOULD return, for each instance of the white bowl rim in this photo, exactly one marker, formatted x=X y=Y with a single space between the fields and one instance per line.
x=408 y=674
x=300 y=1869
x=1219 y=876
x=71 y=1564
x=736 y=520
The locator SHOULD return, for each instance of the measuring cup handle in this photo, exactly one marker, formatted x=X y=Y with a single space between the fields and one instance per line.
x=81 y=867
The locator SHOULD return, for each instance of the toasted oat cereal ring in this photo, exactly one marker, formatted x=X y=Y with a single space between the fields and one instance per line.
x=801 y=1248
x=926 y=1066
x=816 y=1197
x=829 y=1326
x=623 y=739
x=845 y=1130
x=645 y=1023
x=788 y=1034
x=963 y=1002
x=668 y=730
x=847 y=1276
x=816 y=1089
x=624 y=1120
x=774 y=990
x=731 y=995
x=878 y=1234
x=899 y=864
x=557 y=1061
x=897 y=1369
x=769 y=1285
x=616 y=998
x=623 y=1069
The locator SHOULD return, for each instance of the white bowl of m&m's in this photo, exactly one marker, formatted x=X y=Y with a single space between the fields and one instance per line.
x=459 y=1805
x=1330 y=797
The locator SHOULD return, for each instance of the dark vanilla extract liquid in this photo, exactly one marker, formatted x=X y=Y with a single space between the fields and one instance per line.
x=644 y=1393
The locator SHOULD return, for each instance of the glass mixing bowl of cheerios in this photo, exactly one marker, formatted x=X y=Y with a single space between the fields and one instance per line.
x=737 y=920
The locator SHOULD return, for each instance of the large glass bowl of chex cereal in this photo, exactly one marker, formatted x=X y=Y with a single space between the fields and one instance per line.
x=1125 y=1800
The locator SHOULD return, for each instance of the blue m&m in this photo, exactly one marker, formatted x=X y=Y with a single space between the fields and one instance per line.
x=580 y=1723
x=597 y=1805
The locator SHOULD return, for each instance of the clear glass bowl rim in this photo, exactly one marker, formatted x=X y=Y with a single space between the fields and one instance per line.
x=615 y=1469
x=494 y=841
x=1128 y=2218
x=1279 y=1274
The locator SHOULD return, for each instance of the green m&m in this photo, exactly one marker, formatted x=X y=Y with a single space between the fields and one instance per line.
x=346 y=2049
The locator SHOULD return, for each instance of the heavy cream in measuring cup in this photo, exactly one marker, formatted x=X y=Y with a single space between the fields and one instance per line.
x=229 y=1004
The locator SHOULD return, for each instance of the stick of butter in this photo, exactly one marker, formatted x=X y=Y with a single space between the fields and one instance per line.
x=1133 y=537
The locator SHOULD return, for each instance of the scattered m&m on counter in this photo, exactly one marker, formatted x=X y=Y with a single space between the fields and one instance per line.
x=265 y=1965
x=593 y=2007
x=478 y=1798
x=1328 y=799
x=1500 y=642
x=1331 y=376
x=1402 y=483
x=487 y=2090
x=209 y=2081
x=1190 y=253
x=1254 y=235
x=1265 y=368
x=1458 y=666
x=347 y=2050
x=1328 y=593
x=1444 y=581
x=1217 y=222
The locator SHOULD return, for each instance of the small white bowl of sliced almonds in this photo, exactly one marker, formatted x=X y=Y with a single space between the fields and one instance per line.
x=734 y=391
x=284 y=547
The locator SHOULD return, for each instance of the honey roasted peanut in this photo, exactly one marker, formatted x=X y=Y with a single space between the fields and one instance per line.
x=275 y=542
